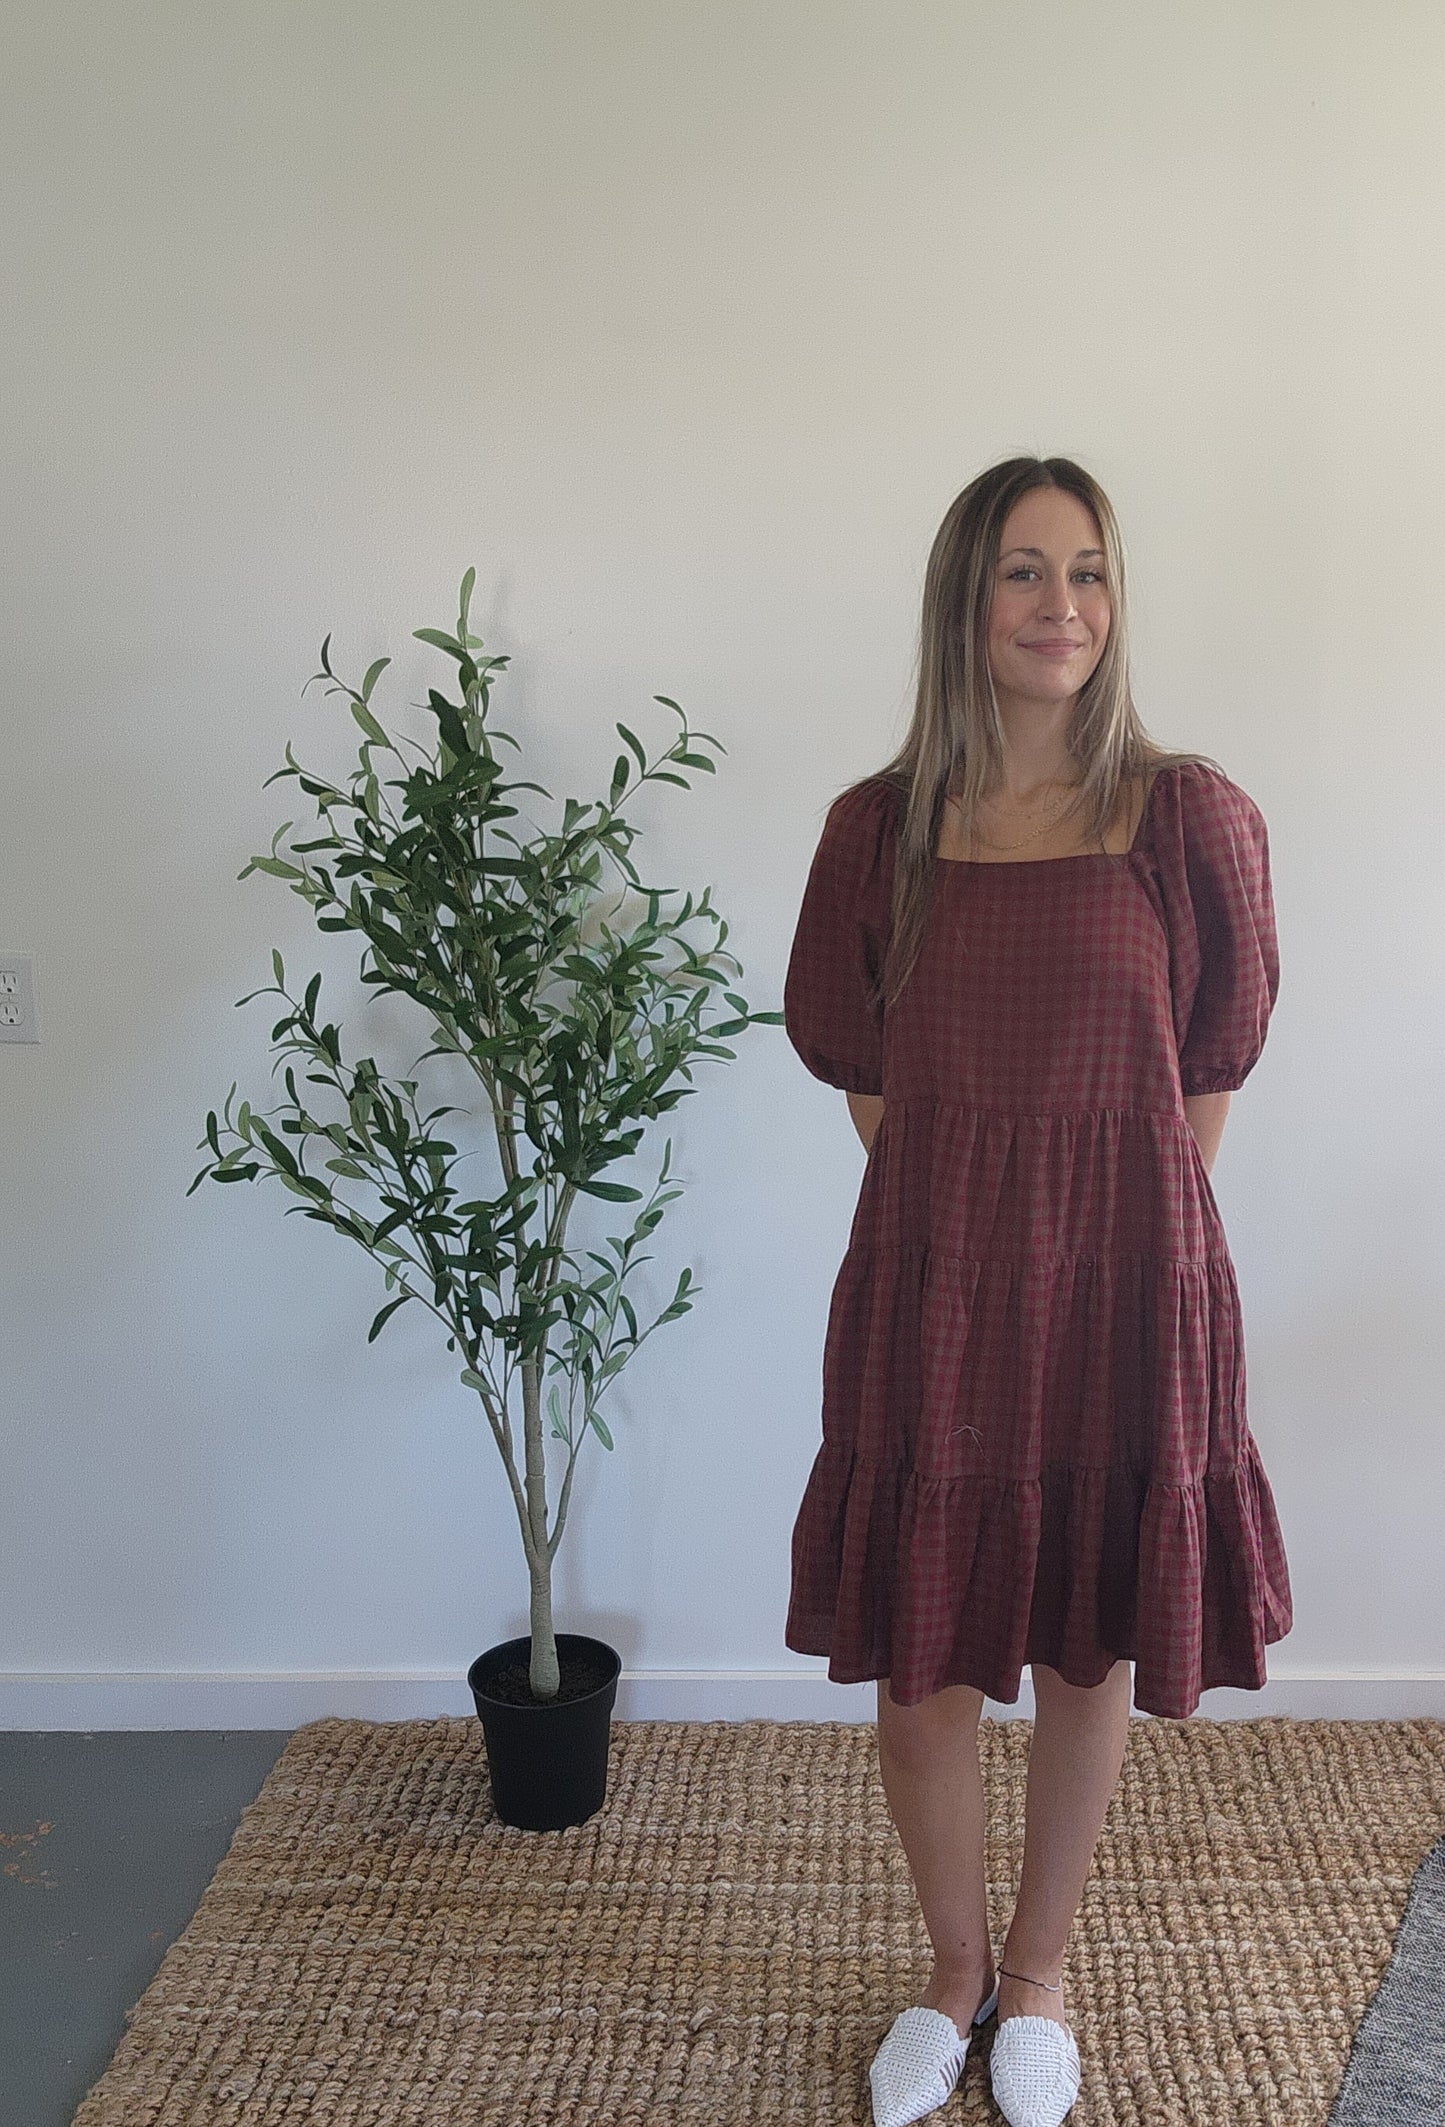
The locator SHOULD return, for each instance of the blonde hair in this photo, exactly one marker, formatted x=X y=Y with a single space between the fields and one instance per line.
x=955 y=741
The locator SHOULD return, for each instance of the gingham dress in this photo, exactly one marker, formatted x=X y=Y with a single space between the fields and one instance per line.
x=1035 y=1444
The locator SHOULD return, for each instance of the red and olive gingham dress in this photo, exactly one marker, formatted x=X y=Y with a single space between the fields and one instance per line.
x=1035 y=1445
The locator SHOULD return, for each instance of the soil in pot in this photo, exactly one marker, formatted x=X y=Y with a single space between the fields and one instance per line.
x=578 y=1672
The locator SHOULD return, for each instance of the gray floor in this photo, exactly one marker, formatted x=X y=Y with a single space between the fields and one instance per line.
x=107 y=1841
x=1395 y=2076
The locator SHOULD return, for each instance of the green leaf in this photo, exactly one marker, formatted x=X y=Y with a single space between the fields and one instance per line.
x=276 y=962
x=475 y=1381
x=452 y=728
x=465 y=602
x=602 y=1433
x=373 y=674
x=440 y=640
x=614 y=1192
x=306 y=1186
x=636 y=747
x=369 y=724
x=390 y=1309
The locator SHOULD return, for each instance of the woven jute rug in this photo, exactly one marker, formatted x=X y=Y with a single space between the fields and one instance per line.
x=726 y=1942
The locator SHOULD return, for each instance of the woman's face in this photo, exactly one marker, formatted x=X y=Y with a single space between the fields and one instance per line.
x=1050 y=615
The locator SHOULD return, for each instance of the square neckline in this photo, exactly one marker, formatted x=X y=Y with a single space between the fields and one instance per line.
x=1081 y=856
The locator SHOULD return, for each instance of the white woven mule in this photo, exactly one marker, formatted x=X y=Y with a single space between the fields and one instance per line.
x=918 y=2064
x=1034 y=2069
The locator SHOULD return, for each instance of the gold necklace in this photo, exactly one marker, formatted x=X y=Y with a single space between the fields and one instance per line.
x=987 y=844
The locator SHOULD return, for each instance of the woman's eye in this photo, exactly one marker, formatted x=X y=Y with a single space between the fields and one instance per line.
x=1027 y=569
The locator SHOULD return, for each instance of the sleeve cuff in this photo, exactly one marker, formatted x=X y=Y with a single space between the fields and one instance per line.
x=1224 y=1079
x=848 y=1077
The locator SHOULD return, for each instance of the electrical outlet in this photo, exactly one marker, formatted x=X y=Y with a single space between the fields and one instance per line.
x=19 y=1020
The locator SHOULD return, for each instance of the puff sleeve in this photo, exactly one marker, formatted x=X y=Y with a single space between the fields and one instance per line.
x=1212 y=846
x=840 y=939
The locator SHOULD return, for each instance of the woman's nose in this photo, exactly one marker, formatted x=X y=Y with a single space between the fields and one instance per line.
x=1055 y=602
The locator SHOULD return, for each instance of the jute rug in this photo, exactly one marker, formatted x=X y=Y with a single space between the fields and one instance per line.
x=725 y=1943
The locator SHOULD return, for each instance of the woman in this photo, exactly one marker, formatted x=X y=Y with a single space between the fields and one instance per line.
x=1038 y=952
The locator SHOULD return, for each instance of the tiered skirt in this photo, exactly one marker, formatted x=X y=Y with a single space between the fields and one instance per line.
x=1035 y=1441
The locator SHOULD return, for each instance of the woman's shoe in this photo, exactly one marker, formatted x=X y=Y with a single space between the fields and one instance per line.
x=916 y=2067
x=1034 y=2069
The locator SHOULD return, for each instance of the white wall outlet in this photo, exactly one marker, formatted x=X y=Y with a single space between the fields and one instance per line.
x=19 y=1020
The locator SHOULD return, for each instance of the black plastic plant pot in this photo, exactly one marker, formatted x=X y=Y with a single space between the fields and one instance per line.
x=547 y=1758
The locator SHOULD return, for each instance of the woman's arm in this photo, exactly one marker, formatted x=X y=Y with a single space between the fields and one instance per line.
x=1205 y=1114
x=866 y=1110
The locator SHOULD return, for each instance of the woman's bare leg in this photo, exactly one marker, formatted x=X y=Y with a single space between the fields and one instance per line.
x=1075 y=1757
x=928 y=1757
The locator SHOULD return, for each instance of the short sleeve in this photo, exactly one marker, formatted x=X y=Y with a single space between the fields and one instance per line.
x=829 y=1012
x=1212 y=847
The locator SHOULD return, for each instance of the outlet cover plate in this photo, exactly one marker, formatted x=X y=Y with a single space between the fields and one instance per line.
x=19 y=1020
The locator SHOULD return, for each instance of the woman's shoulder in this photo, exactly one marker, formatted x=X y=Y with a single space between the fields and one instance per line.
x=1201 y=796
x=878 y=793
x=868 y=810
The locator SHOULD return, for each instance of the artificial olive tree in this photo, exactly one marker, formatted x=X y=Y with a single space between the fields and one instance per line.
x=578 y=1025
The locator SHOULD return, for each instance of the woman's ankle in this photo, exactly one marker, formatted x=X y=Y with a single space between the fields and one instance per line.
x=961 y=1991
x=1020 y=1996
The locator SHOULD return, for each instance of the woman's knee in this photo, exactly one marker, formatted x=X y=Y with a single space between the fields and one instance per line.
x=1048 y=1683
x=943 y=1715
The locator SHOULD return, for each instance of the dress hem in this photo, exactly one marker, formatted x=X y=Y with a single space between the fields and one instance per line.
x=801 y=1640
x=937 y=1580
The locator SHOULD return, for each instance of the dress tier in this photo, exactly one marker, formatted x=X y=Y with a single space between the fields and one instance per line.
x=1035 y=1444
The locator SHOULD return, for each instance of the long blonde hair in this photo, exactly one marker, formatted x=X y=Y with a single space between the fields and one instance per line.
x=955 y=740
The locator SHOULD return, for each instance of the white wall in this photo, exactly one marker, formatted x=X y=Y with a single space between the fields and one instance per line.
x=684 y=323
